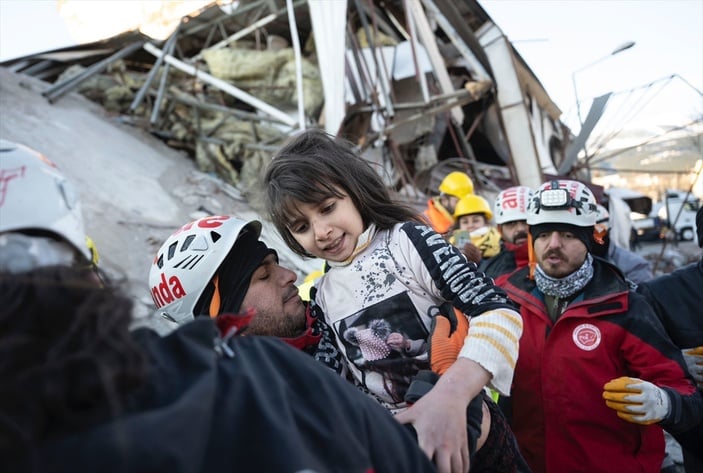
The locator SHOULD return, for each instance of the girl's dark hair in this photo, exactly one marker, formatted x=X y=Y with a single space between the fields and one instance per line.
x=315 y=166
x=66 y=354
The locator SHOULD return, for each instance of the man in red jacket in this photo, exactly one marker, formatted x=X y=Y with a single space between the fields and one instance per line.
x=597 y=377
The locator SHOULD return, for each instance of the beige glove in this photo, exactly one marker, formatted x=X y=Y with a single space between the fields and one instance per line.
x=636 y=400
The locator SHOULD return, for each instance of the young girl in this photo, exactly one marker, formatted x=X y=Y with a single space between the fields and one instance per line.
x=388 y=273
x=472 y=215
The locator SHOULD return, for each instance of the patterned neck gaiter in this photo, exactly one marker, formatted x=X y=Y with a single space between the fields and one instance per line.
x=566 y=286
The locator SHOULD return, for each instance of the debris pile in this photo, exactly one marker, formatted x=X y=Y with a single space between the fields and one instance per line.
x=410 y=82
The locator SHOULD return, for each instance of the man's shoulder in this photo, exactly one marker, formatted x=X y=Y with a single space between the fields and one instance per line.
x=690 y=276
x=500 y=261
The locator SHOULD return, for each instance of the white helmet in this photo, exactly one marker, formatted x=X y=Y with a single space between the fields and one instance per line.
x=563 y=201
x=187 y=261
x=35 y=197
x=511 y=204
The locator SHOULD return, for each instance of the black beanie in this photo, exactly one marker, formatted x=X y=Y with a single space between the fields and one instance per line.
x=235 y=273
x=585 y=234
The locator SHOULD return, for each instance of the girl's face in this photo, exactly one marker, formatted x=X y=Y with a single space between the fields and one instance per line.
x=472 y=222
x=328 y=230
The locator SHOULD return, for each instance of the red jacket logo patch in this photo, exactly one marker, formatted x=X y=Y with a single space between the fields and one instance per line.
x=586 y=337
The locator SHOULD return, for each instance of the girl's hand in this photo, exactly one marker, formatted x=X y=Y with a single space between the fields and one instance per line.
x=440 y=422
x=397 y=341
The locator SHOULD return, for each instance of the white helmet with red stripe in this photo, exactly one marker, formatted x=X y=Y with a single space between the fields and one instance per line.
x=187 y=261
x=511 y=204
x=563 y=201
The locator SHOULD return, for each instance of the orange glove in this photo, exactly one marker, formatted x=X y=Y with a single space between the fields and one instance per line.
x=636 y=400
x=472 y=253
x=446 y=339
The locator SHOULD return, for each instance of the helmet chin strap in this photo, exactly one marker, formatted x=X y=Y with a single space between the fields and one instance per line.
x=532 y=261
x=215 y=301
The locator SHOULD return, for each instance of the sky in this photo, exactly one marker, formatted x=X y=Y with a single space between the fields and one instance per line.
x=572 y=40
x=567 y=43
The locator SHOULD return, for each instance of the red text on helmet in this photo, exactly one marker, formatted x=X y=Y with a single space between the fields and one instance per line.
x=205 y=222
x=511 y=199
x=167 y=291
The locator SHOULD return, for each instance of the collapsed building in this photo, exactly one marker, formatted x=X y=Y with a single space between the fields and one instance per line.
x=421 y=87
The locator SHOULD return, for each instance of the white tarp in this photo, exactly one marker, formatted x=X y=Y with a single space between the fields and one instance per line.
x=329 y=22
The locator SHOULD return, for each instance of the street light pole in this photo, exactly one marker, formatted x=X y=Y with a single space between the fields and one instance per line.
x=619 y=49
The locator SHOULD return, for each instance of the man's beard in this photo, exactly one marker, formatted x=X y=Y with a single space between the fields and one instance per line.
x=518 y=236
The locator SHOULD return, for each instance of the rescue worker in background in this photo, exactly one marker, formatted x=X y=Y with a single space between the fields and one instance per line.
x=40 y=214
x=440 y=209
x=597 y=377
x=472 y=233
x=677 y=300
x=510 y=211
x=635 y=267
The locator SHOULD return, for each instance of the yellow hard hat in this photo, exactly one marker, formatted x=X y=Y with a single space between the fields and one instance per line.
x=457 y=184
x=473 y=204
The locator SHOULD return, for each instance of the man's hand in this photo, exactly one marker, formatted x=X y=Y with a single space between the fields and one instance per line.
x=694 y=362
x=446 y=339
x=636 y=400
x=472 y=253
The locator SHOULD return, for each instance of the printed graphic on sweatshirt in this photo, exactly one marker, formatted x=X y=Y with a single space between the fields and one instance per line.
x=387 y=342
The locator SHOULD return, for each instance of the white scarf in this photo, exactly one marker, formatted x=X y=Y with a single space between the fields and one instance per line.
x=361 y=244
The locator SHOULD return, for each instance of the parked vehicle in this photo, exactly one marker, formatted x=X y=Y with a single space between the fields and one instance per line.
x=646 y=228
x=678 y=212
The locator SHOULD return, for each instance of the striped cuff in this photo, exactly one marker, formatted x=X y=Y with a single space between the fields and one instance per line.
x=493 y=343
